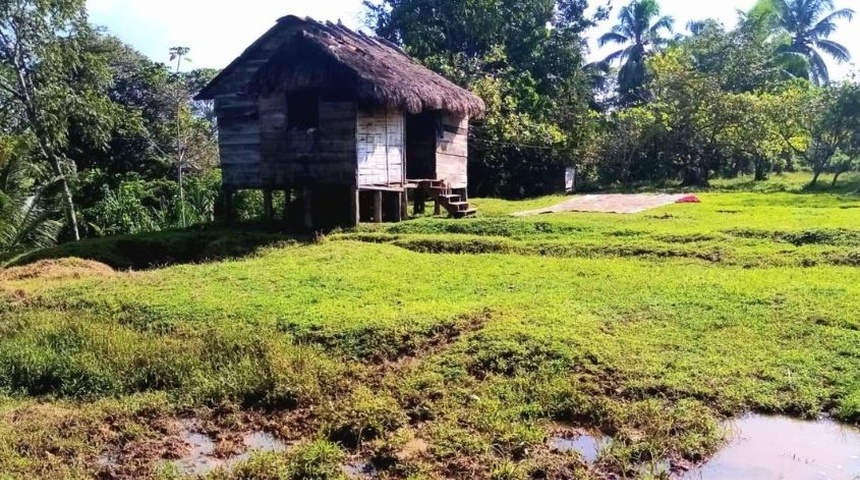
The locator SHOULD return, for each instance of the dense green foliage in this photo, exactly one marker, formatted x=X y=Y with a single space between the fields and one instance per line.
x=526 y=60
x=98 y=126
x=475 y=337
x=111 y=142
x=720 y=103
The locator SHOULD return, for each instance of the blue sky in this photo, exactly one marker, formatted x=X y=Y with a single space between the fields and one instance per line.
x=218 y=31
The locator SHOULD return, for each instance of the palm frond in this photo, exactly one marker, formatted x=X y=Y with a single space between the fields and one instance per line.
x=28 y=217
x=827 y=26
x=616 y=56
x=612 y=37
x=664 y=23
x=839 y=52
x=818 y=69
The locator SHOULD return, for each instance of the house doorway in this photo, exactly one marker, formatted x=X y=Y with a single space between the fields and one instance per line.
x=421 y=146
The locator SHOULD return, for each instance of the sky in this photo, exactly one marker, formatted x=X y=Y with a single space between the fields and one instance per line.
x=218 y=31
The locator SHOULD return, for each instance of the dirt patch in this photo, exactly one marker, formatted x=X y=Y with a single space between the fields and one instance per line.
x=202 y=454
x=382 y=345
x=414 y=448
x=616 y=203
x=62 y=269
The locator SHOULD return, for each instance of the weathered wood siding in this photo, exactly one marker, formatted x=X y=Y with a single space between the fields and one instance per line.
x=380 y=150
x=239 y=141
x=452 y=151
x=323 y=155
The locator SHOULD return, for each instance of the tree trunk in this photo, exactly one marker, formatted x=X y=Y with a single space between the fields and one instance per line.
x=815 y=176
x=695 y=177
x=762 y=169
x=68 y=199
x=835 y=179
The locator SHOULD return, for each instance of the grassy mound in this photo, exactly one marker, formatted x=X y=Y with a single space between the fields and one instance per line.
x=62 y=269
x=140 y=252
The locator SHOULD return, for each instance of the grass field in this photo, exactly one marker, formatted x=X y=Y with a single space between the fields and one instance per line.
x=438 y=348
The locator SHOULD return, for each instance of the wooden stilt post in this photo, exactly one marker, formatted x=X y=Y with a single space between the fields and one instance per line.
x=398 y=206
x=229 y=213
x=307 y=207
x=355 y=206
x=268 y=209
x=418 y=199
x=377 y=207
x=288 y=193
x=404 y=204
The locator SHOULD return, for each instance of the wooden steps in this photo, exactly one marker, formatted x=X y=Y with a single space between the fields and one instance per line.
x=441 y=194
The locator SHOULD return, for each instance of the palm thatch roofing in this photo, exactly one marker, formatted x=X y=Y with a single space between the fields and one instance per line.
x=302 y=54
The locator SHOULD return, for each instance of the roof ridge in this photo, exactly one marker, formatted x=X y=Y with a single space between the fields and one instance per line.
x=379 y=70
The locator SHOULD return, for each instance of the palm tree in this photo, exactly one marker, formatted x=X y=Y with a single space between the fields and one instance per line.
x=810 y=23
x=639 y=33
x=27 y=215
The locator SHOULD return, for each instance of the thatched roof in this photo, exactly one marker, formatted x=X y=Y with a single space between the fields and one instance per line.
x=302 y=54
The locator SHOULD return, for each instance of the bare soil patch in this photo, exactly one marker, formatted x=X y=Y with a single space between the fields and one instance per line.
x=615 y=203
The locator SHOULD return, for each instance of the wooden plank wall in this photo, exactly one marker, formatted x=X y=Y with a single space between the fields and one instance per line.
x=239 y=141
x=273 y=138
x=452 y=152
x=324 y=155
x=380 y=147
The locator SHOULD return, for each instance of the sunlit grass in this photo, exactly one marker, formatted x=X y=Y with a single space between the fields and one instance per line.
x=470 y=335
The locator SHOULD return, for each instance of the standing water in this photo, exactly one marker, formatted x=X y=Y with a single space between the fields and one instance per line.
x=778 y=448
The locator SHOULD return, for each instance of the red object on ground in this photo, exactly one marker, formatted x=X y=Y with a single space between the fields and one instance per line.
x=689 y=199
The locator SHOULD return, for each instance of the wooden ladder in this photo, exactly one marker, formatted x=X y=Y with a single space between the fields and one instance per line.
x=441 y=194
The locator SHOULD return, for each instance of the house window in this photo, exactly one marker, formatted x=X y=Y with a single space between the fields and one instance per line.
x=303 y=110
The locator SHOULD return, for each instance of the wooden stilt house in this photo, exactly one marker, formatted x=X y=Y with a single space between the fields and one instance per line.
x=346 y=124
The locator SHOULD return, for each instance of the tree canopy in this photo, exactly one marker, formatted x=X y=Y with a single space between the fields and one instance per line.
x=98 y=139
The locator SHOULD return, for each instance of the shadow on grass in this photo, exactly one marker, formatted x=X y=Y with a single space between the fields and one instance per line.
x=171 y=247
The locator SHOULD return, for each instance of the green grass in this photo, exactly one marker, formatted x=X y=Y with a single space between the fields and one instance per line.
x=474 y=337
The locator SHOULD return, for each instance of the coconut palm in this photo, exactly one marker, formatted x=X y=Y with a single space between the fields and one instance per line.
x=810 y=23
x=639 y=32
x=27 y=216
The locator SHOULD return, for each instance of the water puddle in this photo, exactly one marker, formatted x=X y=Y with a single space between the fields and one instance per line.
x=773 y=448
x=201 y=459
x=359 y=470
x=108 y=460
x=589 y=447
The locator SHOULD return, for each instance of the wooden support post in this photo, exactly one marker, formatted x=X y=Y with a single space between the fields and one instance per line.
x=404 y=204
x=268 y=209
x=418 y=199
x=307 y=207
x=288 y=193
x=354 y=206
x=437 y=207
x=398 y=206
x=377 y=207
x=229 y=211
